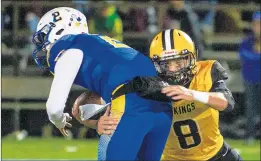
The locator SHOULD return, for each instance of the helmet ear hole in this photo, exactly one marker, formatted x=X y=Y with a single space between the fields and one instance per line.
x=59 y=32
x=155 y=58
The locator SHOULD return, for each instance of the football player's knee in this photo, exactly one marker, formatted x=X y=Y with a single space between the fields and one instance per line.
x=233 y=156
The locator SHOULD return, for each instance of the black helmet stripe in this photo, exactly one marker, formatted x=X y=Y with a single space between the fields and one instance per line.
x=163 y=40
x=172 y=39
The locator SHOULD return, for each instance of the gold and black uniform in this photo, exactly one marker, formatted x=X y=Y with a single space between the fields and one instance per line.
x=195 y=133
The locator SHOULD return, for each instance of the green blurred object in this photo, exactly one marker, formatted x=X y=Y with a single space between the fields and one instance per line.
x=107 y=21
x=60 y=148
x=49 y=148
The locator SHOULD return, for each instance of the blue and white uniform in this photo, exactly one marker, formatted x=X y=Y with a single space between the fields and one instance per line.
x=102 y=64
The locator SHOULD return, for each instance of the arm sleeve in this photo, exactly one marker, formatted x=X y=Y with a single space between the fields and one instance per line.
x=219 y=74
x=150 y=88
x=66 y=70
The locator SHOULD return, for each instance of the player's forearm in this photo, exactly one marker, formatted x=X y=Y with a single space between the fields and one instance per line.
x=215 y=99
x=54 y=112
x=56 y=101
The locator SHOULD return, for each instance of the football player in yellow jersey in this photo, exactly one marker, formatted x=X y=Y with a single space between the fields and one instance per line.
x=199 y=92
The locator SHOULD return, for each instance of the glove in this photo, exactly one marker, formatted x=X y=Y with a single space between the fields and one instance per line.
x=64 y=121
x=150 y=88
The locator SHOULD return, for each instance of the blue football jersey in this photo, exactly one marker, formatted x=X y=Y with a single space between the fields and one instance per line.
x=106 y=63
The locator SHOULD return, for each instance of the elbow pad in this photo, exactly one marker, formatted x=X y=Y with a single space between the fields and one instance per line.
x=230 y=100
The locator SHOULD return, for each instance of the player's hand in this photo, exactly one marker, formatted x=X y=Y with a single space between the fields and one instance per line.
x=76 y=112
x=107 y=124
x=177 y=92
x=66 y=119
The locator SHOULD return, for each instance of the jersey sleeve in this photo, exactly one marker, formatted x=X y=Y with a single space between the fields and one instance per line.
x=63 y=44
x=66 y=70
x=218 y=72
x=219 y=75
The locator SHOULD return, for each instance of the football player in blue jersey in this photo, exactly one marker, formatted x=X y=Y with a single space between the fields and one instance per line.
x=102 y=65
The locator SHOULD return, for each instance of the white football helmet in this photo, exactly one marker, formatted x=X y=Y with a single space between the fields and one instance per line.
x=55 y=24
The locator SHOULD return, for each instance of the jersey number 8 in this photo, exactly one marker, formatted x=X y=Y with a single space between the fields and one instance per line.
x=193 y=133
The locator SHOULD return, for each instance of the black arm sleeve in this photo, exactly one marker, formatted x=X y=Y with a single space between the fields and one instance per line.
x=219 y=74
x=150 y=88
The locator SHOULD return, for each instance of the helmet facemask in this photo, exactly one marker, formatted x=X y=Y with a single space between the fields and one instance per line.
x=176 y=69
x=43 y=45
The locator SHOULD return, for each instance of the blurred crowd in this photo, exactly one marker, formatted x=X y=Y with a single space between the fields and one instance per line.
x=250 y=57
x=115 y=21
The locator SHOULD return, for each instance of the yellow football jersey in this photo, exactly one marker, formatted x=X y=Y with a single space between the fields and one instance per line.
x=195 y=131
